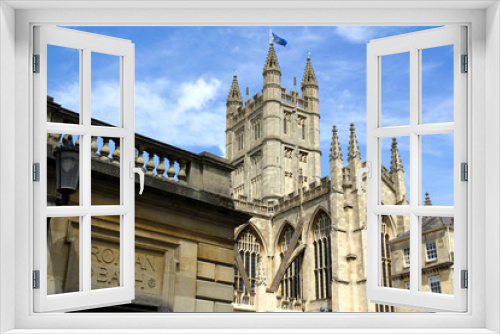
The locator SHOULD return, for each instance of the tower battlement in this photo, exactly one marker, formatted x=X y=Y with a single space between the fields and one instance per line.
x=273 y=135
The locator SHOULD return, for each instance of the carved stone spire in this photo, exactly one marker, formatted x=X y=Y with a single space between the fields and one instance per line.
x=309 y=76
x=396 y=163
x=234 y=92
x=272 y=60
x=336 y=162
x=353 y=143
x=427 y=199
x=397 y=174
x=335 y=151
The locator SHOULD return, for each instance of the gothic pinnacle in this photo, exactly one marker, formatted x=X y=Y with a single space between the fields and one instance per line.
x=234 y=92
x=309 y=76
x=271 y=60
x=427 y=199
x=353 y=143
x=396 y=163
x=335 y=151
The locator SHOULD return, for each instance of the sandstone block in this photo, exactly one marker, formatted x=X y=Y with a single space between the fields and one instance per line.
x=215 y=254
x=224 y=274
x=206 y=270
x=214 y=291
x=222 y=307
x=204 y=305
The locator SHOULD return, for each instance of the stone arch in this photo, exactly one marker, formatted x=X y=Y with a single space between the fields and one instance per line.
x=391 y=224
x=257 y=232
x=309 y=229
x=280 y=232
x=322 y=258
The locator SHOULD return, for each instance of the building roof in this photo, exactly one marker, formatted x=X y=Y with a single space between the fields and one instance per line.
x=430 y=223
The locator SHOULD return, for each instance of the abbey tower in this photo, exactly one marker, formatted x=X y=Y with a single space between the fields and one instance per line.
x=273 y=135
x=305 y=247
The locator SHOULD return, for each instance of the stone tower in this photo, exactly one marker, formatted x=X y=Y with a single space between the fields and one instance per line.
x=301 y=250
x=274 y=136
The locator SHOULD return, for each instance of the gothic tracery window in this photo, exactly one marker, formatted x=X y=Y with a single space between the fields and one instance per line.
x=322 y=256
x=386 y=264
x=291 y=283
x=250 y=253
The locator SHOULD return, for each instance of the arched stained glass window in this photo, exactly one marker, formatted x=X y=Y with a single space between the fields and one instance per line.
x=323 y=257
x=291 y=283
x=249 y=250
x=386 y=263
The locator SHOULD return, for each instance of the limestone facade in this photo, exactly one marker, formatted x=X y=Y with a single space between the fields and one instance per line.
x=310 y=231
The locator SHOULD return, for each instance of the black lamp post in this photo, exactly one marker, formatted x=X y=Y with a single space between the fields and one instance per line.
x=67 y=169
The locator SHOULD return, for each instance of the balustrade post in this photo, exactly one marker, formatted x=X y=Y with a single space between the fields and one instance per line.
x=139 y=160
x=105 y=150
x=182 y=170
x=93 y=146
x=160 y=169
x=150 y=166
x=116 y=152
x=171 y=169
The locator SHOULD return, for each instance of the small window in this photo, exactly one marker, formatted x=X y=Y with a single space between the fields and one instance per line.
x=257 y=129
x=430 y=248
x=435 y=284
x=284 y=125
x=240 y=140
x=406 y=257
x=303 y=131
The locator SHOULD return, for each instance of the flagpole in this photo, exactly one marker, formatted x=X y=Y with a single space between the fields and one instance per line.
x=270 y=35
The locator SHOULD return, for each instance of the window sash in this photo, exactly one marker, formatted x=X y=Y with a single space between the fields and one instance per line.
x=412 y=43
x=86 y=297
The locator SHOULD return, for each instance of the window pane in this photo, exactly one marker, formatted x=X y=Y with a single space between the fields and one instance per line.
x=395 y=90
x=437 y=254
x=63 y=170
x=105 y=243
x=106 y=181
x=437 y=170
x=105 y=93
x=63 y=263
x=395 y=173
x=63 y=85
x=437 y=84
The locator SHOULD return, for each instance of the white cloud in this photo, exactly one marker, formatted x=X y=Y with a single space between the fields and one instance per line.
x=356 y=34
x=184 y=115
x=191 y=120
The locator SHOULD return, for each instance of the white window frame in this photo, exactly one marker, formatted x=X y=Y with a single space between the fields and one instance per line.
x=413 y=43
x=15 y=42
x=85 y=43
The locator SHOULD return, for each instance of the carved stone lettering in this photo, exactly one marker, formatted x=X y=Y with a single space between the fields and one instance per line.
x=105 y=270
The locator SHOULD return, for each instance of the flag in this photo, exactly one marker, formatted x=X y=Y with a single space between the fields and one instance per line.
x=279 y=40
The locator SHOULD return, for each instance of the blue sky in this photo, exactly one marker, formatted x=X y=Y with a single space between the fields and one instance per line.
x=183 y=75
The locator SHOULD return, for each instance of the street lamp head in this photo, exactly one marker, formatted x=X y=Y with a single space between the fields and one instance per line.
x=67 y=168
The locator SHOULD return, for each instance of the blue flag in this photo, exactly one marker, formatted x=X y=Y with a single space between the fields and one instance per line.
x=279 y=40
